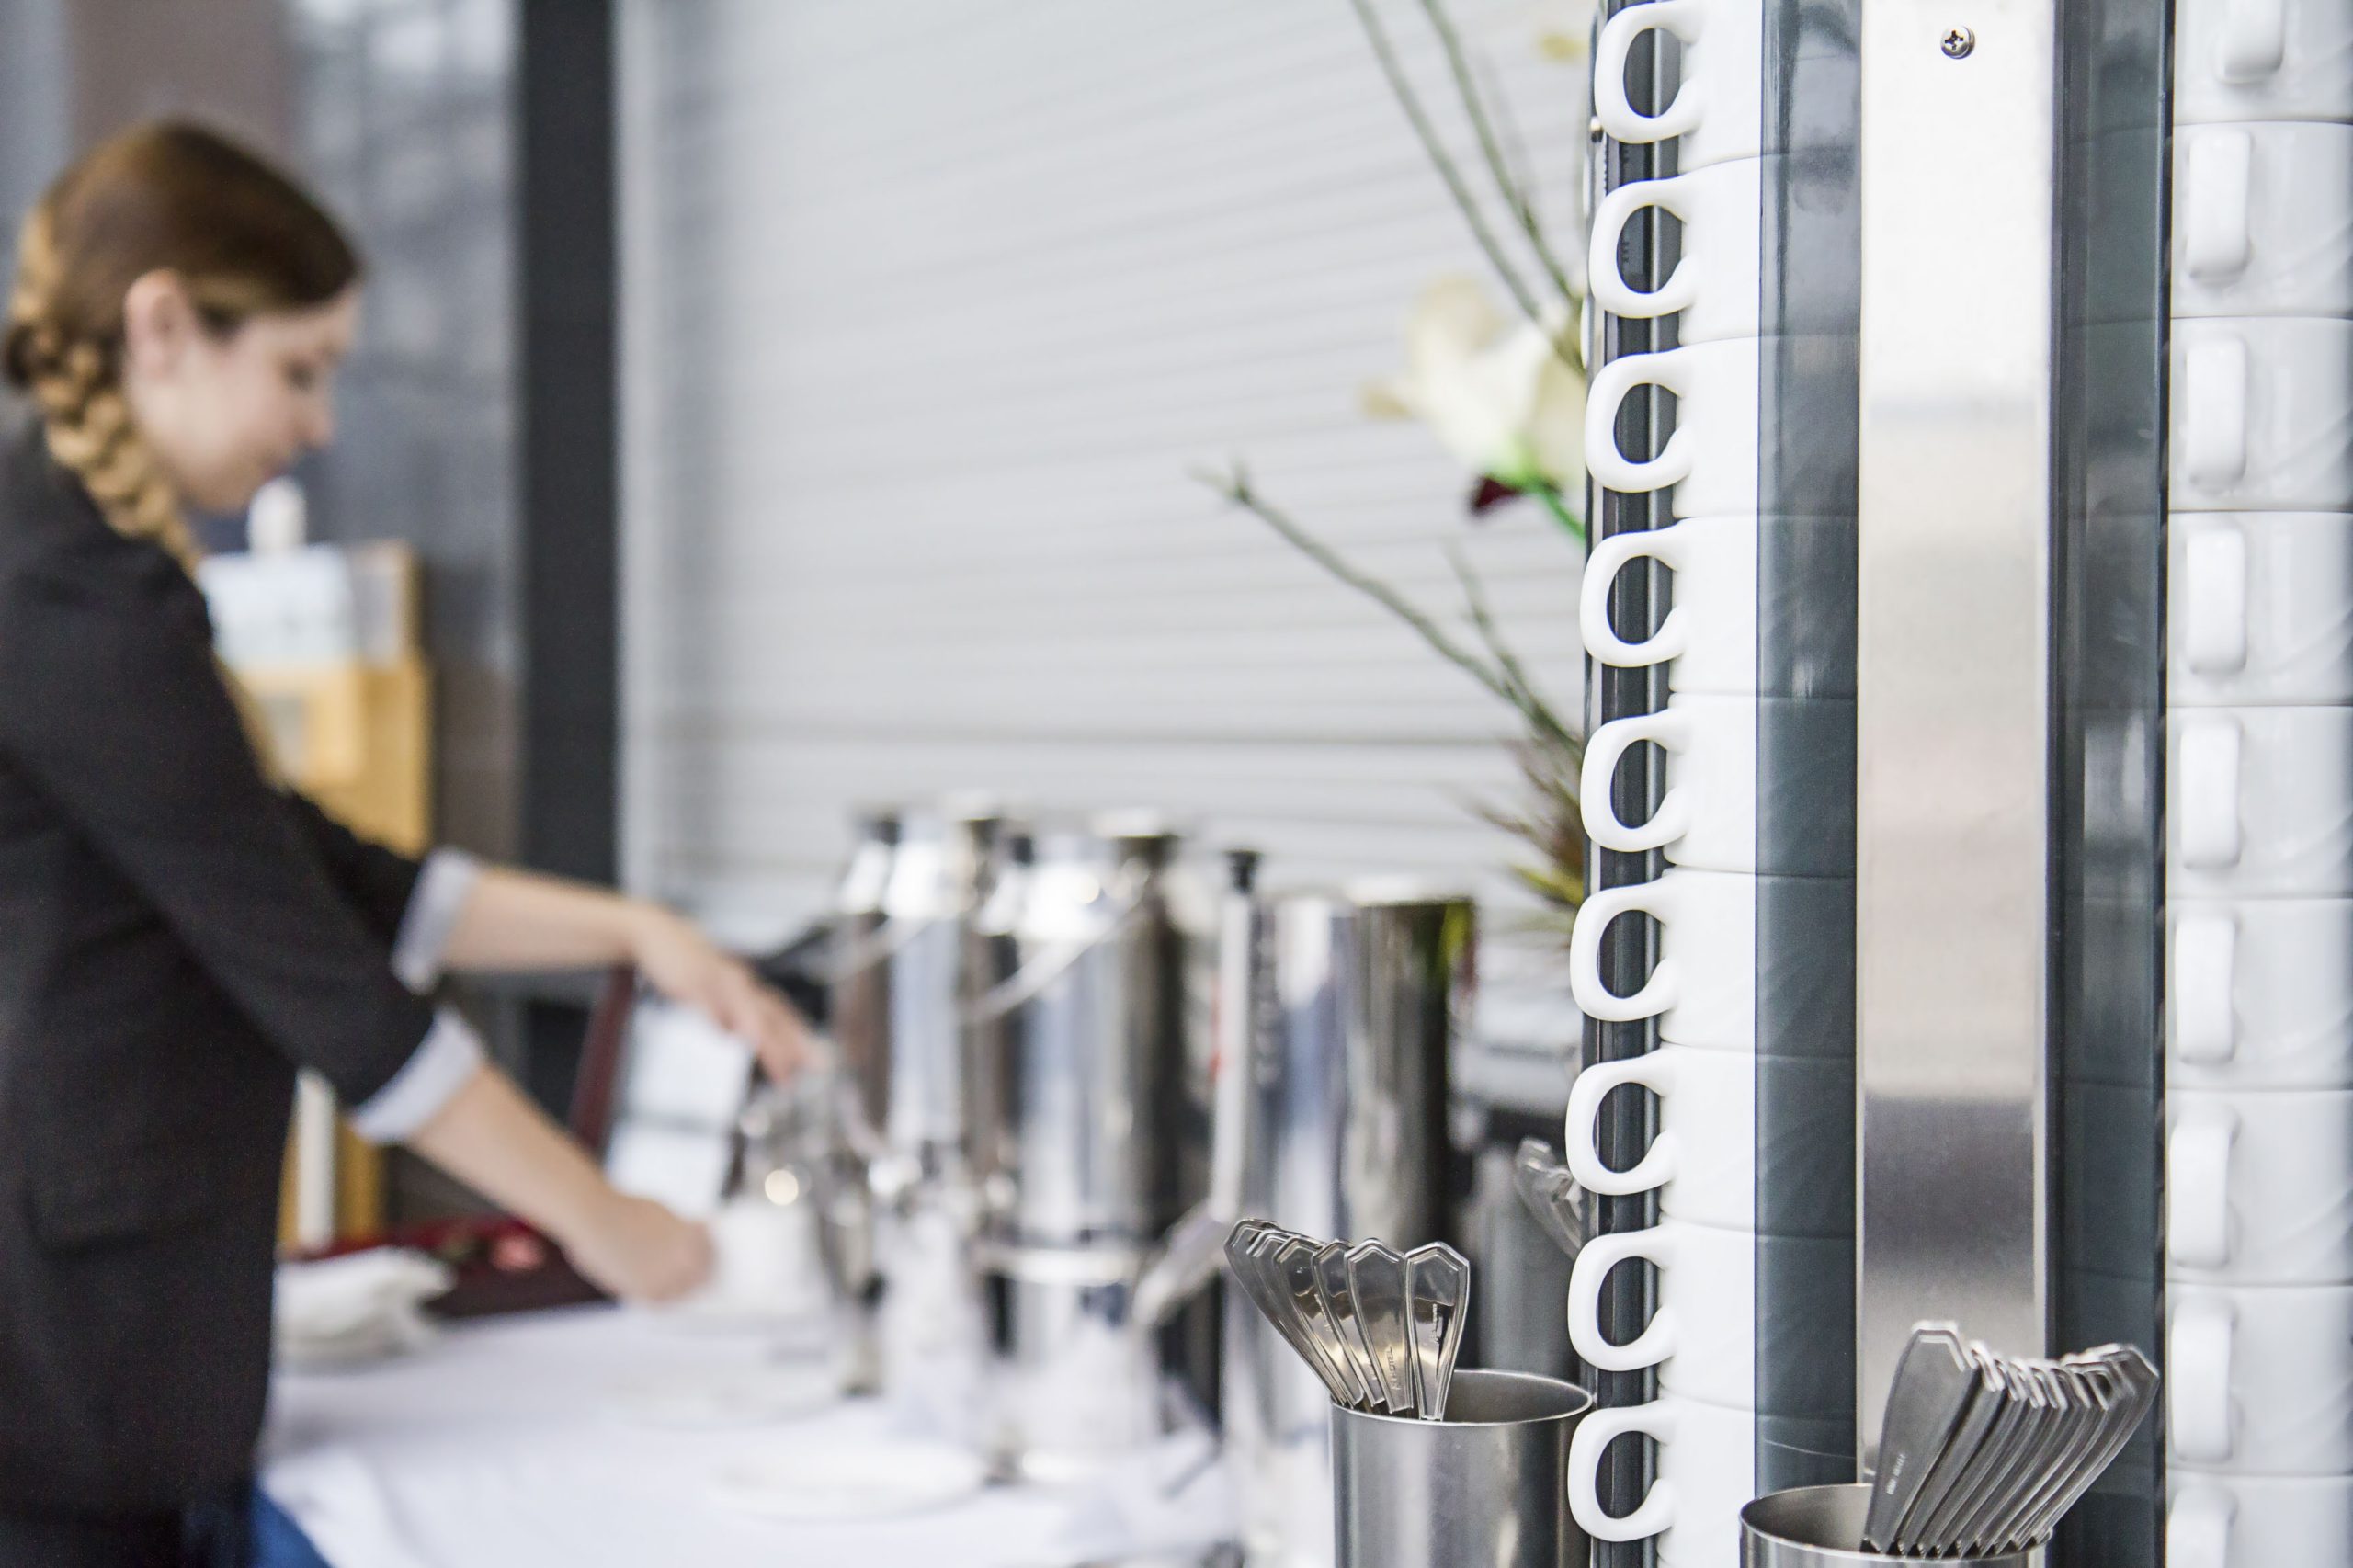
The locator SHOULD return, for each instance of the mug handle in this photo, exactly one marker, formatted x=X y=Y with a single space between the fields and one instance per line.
x=1587 y=1441
x=1612 y=469
x=1611 y=556
x=2255 y=40
x=2205 y=985
x=1598 y=1001
x=1595 y=1260
x=2198 y=1529
x=2214 y=635
x=1611 y=290
x=2210 y=792
x=2197 y=1188
x=2216 y=205
x=1609 y=745
x=2198 y=1364
x=1611 y=49
x=1586 y=1091
x=2214 y=426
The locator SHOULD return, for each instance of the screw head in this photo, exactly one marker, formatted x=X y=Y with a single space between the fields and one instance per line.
x=1959 y=43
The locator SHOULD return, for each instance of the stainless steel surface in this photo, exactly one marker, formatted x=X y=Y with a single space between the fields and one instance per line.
x=859 y=979
x=1933 y=1514
x=1822 y=1527
x=1484 y=1488
x=1954 y=679
x=938 y=877
x=1377 y=1280
x=1340 y=1300
x=1079 y=1134
x=1993 y=1452
x=1934 y=1383
x=1551 y=1194
x=1337 y=1016
x=1437 y=1300
x=1078 y=1041
x=1072 y=1380
x=1304 y=1290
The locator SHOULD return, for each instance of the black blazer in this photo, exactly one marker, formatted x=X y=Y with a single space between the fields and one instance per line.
x=175 y=936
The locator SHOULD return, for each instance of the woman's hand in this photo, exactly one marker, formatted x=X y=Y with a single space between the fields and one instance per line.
x=680 y=962
x=638 y=1251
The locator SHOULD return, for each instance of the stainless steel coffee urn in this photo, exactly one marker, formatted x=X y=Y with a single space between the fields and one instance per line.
x=1084 y=1127
x=903 y=915
x=1337 y=1016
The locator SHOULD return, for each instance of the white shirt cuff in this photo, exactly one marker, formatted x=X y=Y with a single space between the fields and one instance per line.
x=434 y=904
x=444 y=1062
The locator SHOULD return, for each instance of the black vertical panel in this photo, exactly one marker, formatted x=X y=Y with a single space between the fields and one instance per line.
x=2108 y=424
x=566 y=302
x=1808 y=316
x=1637 y=603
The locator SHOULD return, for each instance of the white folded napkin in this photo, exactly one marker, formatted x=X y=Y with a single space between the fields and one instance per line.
x=359 y=1307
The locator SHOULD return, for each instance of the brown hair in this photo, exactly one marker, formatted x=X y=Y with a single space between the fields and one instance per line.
x=242 y=239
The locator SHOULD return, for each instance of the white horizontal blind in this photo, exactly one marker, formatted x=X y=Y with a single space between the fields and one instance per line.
x=930 y=309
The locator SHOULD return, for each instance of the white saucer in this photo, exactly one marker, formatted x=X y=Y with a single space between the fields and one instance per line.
x=881 y=1480
x=730 y=1396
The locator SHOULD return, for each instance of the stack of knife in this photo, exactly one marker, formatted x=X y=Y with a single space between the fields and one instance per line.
x=1381 y=1328
x=1982 y=1454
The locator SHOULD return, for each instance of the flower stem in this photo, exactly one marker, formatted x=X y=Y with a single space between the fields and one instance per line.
x=1519 y=198
x=1235 y=488
x=1410 y=101
x=1558 y=506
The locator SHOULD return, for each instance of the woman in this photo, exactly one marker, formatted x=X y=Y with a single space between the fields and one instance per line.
x=179 y=934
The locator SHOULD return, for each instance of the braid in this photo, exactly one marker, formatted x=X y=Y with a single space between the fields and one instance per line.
x=91 y=433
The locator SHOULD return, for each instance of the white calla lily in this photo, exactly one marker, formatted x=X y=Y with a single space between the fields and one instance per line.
x=1493 y=389
x=1564 y=28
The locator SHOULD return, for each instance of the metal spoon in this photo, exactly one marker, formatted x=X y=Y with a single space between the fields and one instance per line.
x=1551 y=1193
x=1437 y=1295
x=1340 y=1303
x=1377 y=1276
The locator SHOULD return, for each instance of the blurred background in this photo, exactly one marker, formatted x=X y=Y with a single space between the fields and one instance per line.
x=797 y=405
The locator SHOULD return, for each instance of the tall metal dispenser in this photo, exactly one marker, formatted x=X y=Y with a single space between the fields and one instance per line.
x=1336 y=1014
x=1084 y=1128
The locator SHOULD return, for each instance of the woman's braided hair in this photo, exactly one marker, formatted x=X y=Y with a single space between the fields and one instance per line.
x=241 y=237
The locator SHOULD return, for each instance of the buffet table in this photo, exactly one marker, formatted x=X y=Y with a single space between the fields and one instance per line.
x=519 y=1441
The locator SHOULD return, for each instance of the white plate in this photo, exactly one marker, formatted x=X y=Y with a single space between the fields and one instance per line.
x=884 y=1481
x=730 y=1396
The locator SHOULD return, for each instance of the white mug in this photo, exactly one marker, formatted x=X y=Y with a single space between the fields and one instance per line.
x=2257 y=609
x=1704 y=987
x=2259 y=1379
x=1706 y=1475
x=2258 y=60
x=1702 y=1337
x=2263 y=220
x=1714 y=287
x=1705 y=1154
x=2244 y=1521
x=2262 y=416
x=2260 y=802
x=2260 y=994
x=1708 y=816
x=1709 y=637
x=765 y=1256
x=1710 y=459
x=1716 y=115
x=2255 y=1187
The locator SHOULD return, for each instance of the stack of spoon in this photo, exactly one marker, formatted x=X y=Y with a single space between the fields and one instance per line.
x=1381 y=1328
x=1984 y=1453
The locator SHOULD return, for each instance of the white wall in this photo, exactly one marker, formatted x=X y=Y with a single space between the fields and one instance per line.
x=929 y=308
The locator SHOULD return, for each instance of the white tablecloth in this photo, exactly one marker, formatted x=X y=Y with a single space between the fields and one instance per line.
x=509 y=1444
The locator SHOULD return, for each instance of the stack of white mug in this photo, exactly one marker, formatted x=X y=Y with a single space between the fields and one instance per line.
x=1703 y=1339
x=2259 y=1051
